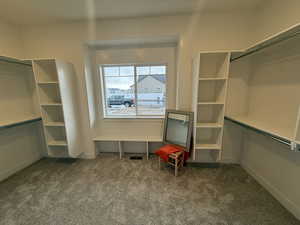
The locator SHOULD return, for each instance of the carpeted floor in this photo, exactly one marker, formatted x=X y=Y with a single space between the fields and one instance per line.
x=112 y=191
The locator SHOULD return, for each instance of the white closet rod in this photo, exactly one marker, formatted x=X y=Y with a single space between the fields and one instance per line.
x=266 y=44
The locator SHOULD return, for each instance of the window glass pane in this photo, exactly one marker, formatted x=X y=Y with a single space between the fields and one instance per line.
x=157 y=70
x=143 y=70
x=120 y=90
x=111 y=71
x=151 y=94
x=126 y=71
x=120 y=97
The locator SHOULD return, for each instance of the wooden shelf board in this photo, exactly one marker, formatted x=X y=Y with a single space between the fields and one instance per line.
x=133 y=139
x=210 y=103
x=208 y=147
x=209 y=125
x=47 y=82
x=51 y=104
x=54 y=124
x=15 y=122
x=57 y=143
x=281 y=132
x=212 y=78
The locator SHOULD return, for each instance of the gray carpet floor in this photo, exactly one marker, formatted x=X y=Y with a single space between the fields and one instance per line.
x=110 y=191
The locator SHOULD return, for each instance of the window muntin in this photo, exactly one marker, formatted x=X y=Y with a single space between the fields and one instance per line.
x=134 y=90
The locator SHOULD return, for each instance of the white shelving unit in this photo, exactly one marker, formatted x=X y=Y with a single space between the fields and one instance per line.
x=57 y=92
x=210 y=75
x=268 y=85
x=121 y=140
x=17 y=93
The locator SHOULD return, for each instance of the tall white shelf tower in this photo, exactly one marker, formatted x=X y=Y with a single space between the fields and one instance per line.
x=210 y=78
x=58 y=99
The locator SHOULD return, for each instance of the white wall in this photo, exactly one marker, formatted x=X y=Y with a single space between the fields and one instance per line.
x=10 y=40
x=274 y=17
x=22 y=145
x=197 y=32
x=275 y=167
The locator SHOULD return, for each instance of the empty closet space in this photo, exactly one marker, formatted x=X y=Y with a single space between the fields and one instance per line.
x=263 y=89
x=17 y=93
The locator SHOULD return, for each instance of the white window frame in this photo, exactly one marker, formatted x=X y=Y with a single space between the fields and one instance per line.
x=103 y=91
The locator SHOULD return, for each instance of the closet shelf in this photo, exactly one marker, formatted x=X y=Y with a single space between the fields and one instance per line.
x=210 y=103
x=13 y=123
x=57 y=143
x=47 y=82
x=55 y=124
x=212 y=78
x=51 y=104
x=209 y=125
x=208 y=147
x=284 y=134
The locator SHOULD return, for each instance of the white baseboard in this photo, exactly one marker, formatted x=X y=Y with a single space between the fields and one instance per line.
x=287 y=203
x=88 y=156
x=7 y=173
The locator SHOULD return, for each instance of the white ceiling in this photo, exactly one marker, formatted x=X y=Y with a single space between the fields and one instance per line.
x=50 y=11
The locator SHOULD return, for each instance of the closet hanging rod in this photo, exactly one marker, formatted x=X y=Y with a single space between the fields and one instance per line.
x=274 y=137
x=20 y=123
x=266 y=44
x=16 y=61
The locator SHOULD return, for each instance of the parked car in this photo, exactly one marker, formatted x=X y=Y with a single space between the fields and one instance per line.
x=119 y=100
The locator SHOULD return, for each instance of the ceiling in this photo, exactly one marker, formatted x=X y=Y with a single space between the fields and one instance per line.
x=27 y=12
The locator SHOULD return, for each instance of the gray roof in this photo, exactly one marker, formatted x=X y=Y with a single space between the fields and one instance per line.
x=161 y=78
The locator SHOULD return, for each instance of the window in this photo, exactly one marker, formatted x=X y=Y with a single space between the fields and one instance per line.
x=134 y=90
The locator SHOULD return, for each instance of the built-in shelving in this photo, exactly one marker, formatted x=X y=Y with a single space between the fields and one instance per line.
x=267 y=83
x=57 y=91
x=57 y=143
x=51 y=104
x=209 y=125
x=13 y=123
x=208 y=147
x=121 y=139
x=210 y=76
x=48 y=83
x=213 y=79
x=19 y=105
x=54 y=124
x=211 y=103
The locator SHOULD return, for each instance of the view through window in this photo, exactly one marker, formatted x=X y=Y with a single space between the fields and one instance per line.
x=134 y=90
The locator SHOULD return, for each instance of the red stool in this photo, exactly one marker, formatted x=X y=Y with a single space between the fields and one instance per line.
x=171 y=154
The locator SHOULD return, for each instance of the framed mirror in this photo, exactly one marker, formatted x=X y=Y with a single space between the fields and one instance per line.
x=178 y=127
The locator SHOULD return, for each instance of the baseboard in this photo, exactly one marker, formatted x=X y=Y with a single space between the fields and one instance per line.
x=287 y=203
x=4 y=175
x=88 y=156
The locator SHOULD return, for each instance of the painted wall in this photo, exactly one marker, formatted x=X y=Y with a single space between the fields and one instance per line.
x=10 y=40
x=274 y=17
x=22 y=145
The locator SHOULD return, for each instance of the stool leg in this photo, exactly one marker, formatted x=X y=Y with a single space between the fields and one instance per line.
x=176 y=167
x=159 y=163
